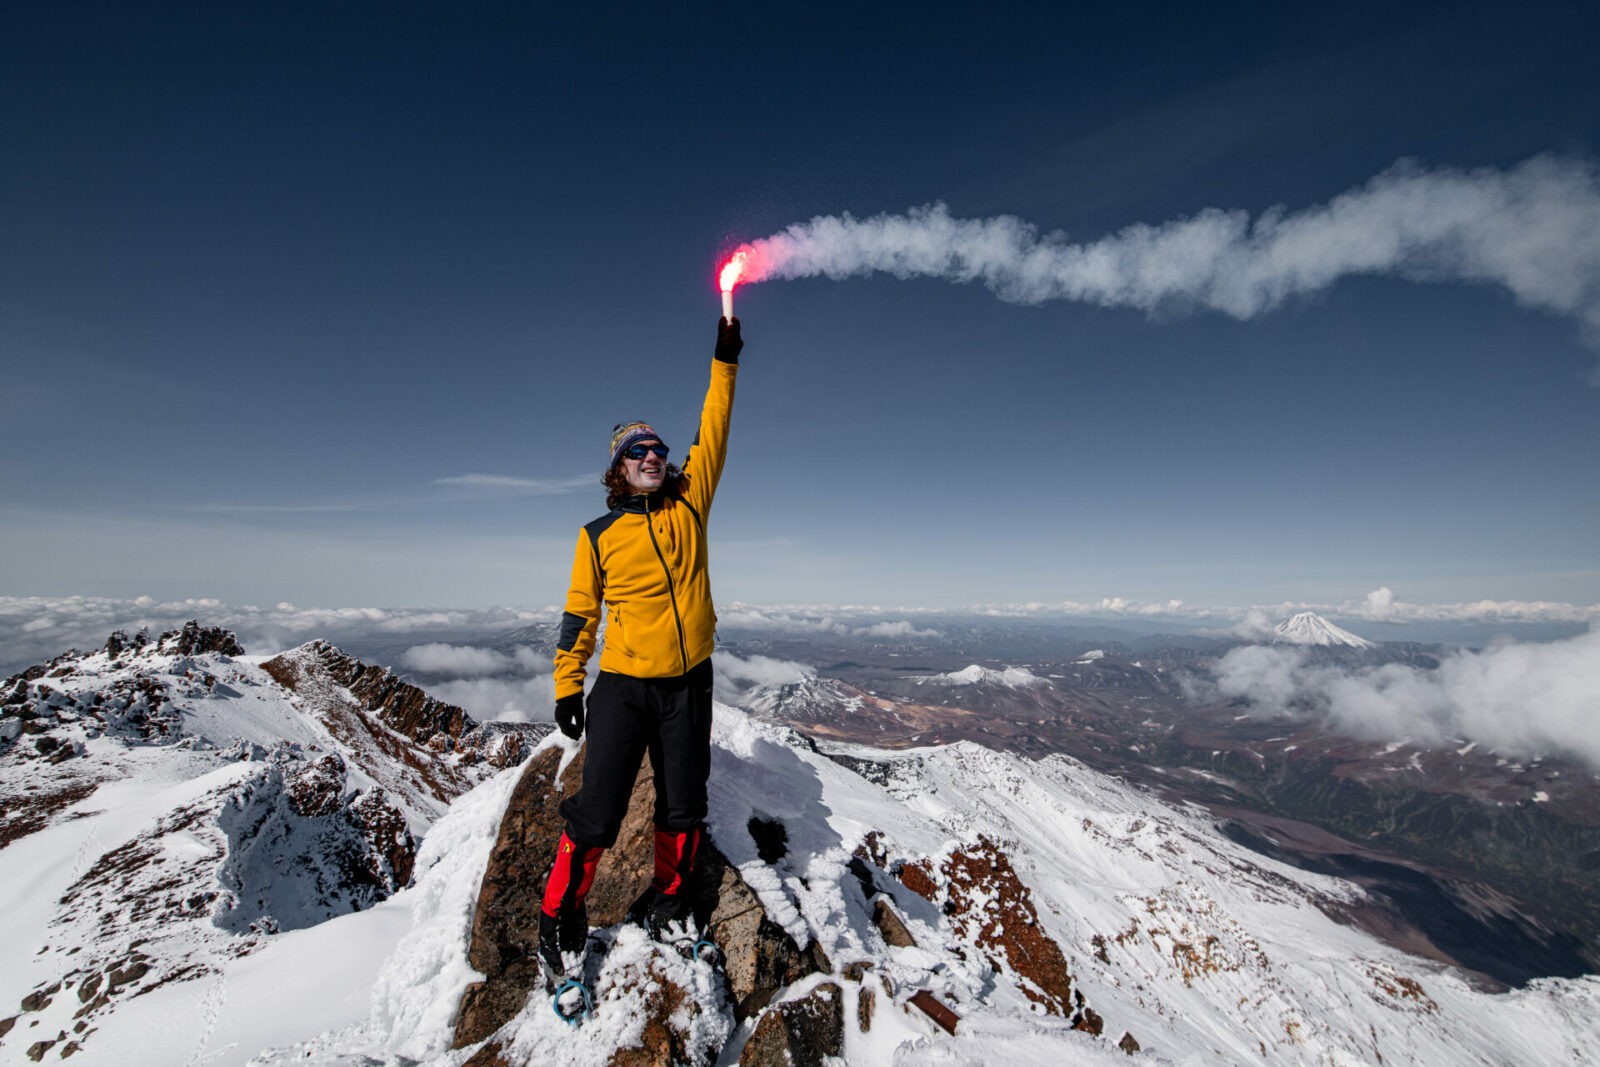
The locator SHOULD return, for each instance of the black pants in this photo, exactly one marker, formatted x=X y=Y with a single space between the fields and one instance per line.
x=626 y=717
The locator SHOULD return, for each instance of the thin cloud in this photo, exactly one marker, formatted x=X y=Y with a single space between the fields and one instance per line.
x=1380 y=605
x=515 y=486
x=475 y=485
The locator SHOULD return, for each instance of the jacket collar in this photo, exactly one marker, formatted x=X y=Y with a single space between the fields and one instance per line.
x=636 y=504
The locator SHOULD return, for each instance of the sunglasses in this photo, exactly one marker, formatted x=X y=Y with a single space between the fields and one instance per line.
x=641 y=451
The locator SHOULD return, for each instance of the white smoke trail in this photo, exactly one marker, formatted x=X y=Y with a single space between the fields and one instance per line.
x=1533 y=229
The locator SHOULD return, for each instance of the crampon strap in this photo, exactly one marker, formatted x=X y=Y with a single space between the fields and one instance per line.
x=581 y=1010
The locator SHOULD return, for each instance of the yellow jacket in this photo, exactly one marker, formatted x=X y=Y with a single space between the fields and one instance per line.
x=646 y=561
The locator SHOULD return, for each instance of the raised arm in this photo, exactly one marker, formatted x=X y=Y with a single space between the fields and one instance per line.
x=710 y=447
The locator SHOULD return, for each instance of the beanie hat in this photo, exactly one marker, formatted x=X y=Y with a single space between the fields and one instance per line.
x=625 y=435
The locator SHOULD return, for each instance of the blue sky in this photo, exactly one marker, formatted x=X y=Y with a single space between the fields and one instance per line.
x=337 y=306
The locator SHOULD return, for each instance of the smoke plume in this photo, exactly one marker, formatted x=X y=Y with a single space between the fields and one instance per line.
x=1533 y=230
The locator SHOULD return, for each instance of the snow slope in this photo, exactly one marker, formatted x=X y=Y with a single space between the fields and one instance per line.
x=170 y=816
x=1203 y=951
x=1200 y=950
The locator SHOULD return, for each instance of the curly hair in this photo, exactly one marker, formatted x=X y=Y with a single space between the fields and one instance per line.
x=615 y=479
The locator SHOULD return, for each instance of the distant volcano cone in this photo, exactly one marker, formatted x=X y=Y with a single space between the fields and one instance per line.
x=1309 y=628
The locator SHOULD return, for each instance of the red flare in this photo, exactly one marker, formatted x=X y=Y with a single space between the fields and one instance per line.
x=731 y=271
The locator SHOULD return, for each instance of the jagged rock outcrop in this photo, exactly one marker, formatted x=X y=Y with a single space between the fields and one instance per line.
x=399 y=705
x=194 y=640
x=370 y=710
x=760 y=957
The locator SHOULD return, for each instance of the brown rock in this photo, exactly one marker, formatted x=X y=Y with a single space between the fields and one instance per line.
x=668 y=1012
x=918 y=877
x=768 y=1045
x=487 y=1056
x=799 y=1031
x=37 y=1000
x=1088 y=1020
x=989 y=906
x=759 y=956
x=194 y=639
x=935 y=1009
x=391 y=850
x=866 y=1001
x=889 y=925
x=505 y=925
x=1128 y=1044
x=317 y=788
x=121 y=976
x=399 y=705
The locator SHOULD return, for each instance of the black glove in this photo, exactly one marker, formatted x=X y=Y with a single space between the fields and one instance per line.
x=569 y=715
x=729 y=343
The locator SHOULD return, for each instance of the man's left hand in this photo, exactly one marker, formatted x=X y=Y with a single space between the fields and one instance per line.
x=569 y=715
x=729 y=343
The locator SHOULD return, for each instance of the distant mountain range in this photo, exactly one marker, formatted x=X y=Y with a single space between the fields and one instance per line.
x=1434 y=833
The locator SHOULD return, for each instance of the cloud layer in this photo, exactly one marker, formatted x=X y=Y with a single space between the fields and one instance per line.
x=469 y=661
x=1519 y=699
x=35 y=629
x=1533 y=231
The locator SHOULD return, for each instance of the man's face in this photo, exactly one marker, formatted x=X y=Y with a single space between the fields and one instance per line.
x=646 y=474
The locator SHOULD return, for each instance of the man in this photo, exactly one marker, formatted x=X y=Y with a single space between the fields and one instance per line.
x=646 y=561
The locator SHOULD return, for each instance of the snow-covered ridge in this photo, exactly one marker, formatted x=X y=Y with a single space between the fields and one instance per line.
x=178 y=807
x=1035 y=895
x=1309 y=628
x=1013 y=677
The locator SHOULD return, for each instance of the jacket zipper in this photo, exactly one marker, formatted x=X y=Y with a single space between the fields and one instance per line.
x=672 y=595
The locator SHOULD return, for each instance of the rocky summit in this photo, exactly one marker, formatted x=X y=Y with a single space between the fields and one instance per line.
x=198 y=801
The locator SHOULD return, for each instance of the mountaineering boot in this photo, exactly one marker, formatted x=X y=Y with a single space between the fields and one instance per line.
x=563 y=920
x=551 y=965
x=671 y=917
x=671 y=921
x=562 y=940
